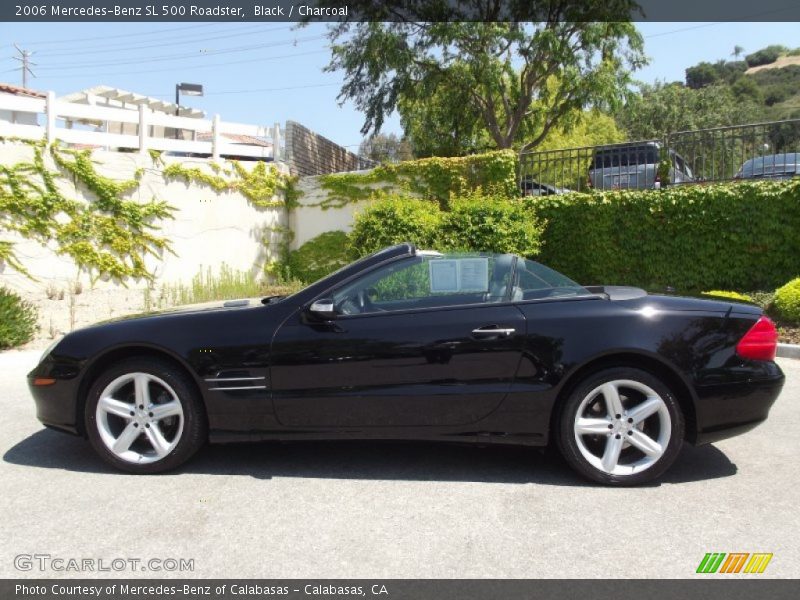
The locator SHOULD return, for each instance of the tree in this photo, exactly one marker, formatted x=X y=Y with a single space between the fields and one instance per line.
x=705 y=73
x=766 y=56
x=386 y=148
x=517 y=80
x=669 y=107
x=590 y=128
x=737 y=52
x=701 y=75
x=436 y=125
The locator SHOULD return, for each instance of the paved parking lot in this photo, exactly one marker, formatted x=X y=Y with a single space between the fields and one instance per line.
x=395 y=510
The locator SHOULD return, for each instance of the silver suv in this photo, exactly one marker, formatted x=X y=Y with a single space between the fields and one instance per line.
x=772 y=166
x=635 y=166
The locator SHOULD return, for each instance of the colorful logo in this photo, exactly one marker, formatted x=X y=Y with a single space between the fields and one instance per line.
x=734 y=562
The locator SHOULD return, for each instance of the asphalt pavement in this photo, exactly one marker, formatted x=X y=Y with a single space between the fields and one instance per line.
x=378 y=510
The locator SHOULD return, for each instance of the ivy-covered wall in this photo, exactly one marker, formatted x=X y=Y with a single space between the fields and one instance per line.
x=206 y=214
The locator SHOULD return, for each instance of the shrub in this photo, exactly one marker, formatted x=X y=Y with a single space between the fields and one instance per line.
x=17 y=319
x=730 y=295
x=491 y=224
x=764 y=300
x=474 y=222
x=765 y=56
x=742 y=236
x=787 y=301
x=319 y=256
x=393 y=220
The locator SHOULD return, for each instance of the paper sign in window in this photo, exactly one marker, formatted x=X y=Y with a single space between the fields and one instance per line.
x=473 y=274
x=459 y=275
x=444 y=276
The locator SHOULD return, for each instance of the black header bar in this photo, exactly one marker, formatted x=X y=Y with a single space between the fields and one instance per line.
x=397 y=10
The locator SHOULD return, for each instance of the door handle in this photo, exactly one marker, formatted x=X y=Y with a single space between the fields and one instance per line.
x=490 y=331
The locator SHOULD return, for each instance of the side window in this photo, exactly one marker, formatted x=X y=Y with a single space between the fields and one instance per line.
x=427 y=281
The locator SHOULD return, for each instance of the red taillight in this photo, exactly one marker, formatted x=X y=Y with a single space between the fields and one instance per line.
x=761 y=342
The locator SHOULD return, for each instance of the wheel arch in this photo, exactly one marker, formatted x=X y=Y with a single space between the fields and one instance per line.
x=651 y=363
x=109 y=356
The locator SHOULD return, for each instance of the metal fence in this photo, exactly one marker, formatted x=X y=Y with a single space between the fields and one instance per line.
x=754 y=151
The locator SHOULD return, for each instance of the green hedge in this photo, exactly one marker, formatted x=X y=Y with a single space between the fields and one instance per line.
x=474 y=222
x=742 y=236
x=724 y=236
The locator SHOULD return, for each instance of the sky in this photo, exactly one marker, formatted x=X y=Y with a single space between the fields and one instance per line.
x=262 y=73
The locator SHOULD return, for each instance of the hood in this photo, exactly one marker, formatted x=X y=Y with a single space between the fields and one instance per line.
x=186 y=309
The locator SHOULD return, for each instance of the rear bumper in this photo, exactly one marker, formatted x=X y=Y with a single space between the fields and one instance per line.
x=728 y=409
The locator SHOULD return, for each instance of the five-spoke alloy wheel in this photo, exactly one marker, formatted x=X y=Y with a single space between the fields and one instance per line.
x=142 y=415
x=621 y=426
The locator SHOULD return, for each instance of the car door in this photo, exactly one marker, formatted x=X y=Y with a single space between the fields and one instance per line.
x=427 y=359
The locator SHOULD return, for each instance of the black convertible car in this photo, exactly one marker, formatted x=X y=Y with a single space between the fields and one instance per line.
x=410 y=344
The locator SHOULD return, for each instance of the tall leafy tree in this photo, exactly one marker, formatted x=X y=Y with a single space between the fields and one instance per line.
x=667 y=108
x=386 y=148
x=515 y=81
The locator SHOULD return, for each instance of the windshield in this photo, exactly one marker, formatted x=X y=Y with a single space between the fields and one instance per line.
x=773 y=163
x=625 y=156
x=534 y=280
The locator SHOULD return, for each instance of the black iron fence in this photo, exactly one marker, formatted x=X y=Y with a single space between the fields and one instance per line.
x=754 y=151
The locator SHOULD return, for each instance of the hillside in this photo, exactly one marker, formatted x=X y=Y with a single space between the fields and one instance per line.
x=768 y=78
x=783 y=61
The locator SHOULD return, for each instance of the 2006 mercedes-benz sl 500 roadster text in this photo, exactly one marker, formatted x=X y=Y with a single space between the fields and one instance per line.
x=411 y=344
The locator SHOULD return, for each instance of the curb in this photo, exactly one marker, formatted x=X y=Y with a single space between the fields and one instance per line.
x=788 y=351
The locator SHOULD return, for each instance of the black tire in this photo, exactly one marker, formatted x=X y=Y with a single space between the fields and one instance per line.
x=194 y=431
x=566 y=436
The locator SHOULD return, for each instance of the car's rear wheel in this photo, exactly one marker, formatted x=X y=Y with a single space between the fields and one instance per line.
x=620 y=426
x=143 y=416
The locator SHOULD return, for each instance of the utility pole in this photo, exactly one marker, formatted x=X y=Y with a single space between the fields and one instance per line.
x=25 y=64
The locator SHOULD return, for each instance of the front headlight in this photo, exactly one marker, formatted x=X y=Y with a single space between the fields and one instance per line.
x=50 y=348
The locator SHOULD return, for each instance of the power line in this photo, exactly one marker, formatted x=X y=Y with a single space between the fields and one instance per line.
x=123 y=35
x=152 y=59
x=173 y=42
x=194 y=67
x=257 y=90
x=739 y=20
x=25 y=65
x=663 y=33
x=278 y=89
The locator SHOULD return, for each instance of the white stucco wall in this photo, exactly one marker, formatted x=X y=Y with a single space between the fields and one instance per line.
x=309 y=220
x=208 y=229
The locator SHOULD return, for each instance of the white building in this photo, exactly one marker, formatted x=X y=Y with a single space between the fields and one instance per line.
x=17 y=117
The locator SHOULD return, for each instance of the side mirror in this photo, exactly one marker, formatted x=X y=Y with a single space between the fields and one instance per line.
x=323 y=309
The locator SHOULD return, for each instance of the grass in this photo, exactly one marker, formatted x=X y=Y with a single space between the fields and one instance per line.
x=228 y=284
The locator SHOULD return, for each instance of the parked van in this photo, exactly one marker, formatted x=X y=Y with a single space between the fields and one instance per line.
x=634 y=166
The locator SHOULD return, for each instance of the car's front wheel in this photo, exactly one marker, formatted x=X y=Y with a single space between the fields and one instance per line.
x=143 y=416
x=620 y=426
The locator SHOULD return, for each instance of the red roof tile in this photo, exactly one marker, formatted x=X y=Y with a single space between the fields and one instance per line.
x=8 y=88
